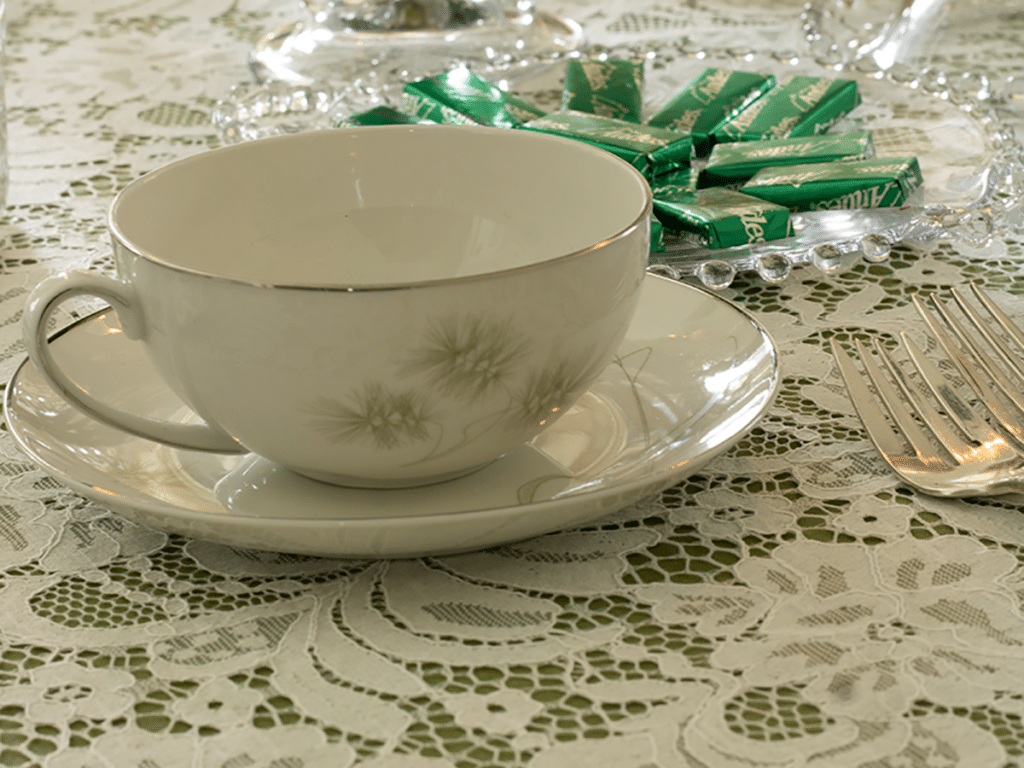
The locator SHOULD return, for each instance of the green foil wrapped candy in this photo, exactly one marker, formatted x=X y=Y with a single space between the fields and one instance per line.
x=737 y=162
x=877 y=183
x=650 y=150
x=710 y=100
x=722 y=218
x=802 y=106
x=680 y=184
x=610 y=88
x=461 y=97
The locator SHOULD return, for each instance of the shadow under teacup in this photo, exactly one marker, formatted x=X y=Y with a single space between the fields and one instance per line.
x=376 y=307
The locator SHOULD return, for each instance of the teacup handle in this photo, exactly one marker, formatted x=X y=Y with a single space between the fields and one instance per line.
x=42 y=302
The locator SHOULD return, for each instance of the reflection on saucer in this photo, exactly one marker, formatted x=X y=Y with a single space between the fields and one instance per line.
x=692 y=376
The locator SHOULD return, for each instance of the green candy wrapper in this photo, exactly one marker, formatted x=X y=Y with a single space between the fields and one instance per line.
x=460 y=97
x=709 y=101
x=736 y=163
x=611 y=88
x=721 y=218
x=802 y=106
x=381 y=116
x=650 y=150
x=877 y=183
x=680 y=184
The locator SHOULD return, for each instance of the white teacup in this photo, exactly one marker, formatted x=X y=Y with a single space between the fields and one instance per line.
x=379 y=307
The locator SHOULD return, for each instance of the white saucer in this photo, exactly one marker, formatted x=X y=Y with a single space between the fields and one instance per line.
x=693 y=375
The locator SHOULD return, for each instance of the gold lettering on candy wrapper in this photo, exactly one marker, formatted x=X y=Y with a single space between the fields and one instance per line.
x=626 y=134
x=620 y=133
x=820 y=128
x=519 y=113
x=745 y=119
x=811 y=95
x=417 y=105
x=421 y=106
x=707 y=90
x=685 y=121
x=891 y=168
x=775 y=151
x=798 y=177
x=607 y=107
x=672 y=190
x=547 y=122
x=873 y=197
x=454 y=117
x=782 y=129
x=754 y=222
x=597 y=73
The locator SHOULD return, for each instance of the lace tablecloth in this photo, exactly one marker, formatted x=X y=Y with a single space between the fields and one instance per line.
x=792 y=604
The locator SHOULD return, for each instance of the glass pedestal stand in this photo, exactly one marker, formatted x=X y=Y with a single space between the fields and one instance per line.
x=374 y=44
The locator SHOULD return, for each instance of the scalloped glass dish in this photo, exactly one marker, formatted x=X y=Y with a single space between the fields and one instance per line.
x=971 y=162
x=943 y=37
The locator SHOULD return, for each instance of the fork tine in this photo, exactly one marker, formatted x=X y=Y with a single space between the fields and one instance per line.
x=972 y=424
x=890 y=443
x=1010 y=421
x=1008 y=356
x=1004 y=322
x=914 y=395
x=882 y=435
x=1006 y=386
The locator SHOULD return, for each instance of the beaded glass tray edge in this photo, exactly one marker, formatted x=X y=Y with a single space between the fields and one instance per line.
x=864 y=35
x=827 y=240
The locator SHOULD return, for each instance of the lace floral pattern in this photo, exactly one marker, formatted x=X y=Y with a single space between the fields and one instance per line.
x=791 y=604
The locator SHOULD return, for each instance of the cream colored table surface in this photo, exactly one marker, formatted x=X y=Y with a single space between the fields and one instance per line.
x=790 y=605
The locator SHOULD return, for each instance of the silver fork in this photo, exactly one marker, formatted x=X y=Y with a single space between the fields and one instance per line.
x=969 y=365
x=956 y=452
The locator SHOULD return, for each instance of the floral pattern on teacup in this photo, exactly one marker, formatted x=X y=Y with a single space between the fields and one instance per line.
x=383 y=416
x=468 y=359
x=464 y=360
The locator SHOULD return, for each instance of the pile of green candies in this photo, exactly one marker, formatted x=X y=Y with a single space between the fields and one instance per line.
x=729 y=158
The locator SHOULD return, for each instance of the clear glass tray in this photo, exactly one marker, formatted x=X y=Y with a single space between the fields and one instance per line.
x=972 y=164
x=347 y=41
x=970 y=43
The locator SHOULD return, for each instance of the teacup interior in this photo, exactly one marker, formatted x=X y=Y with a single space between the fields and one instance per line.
x=380 y=206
